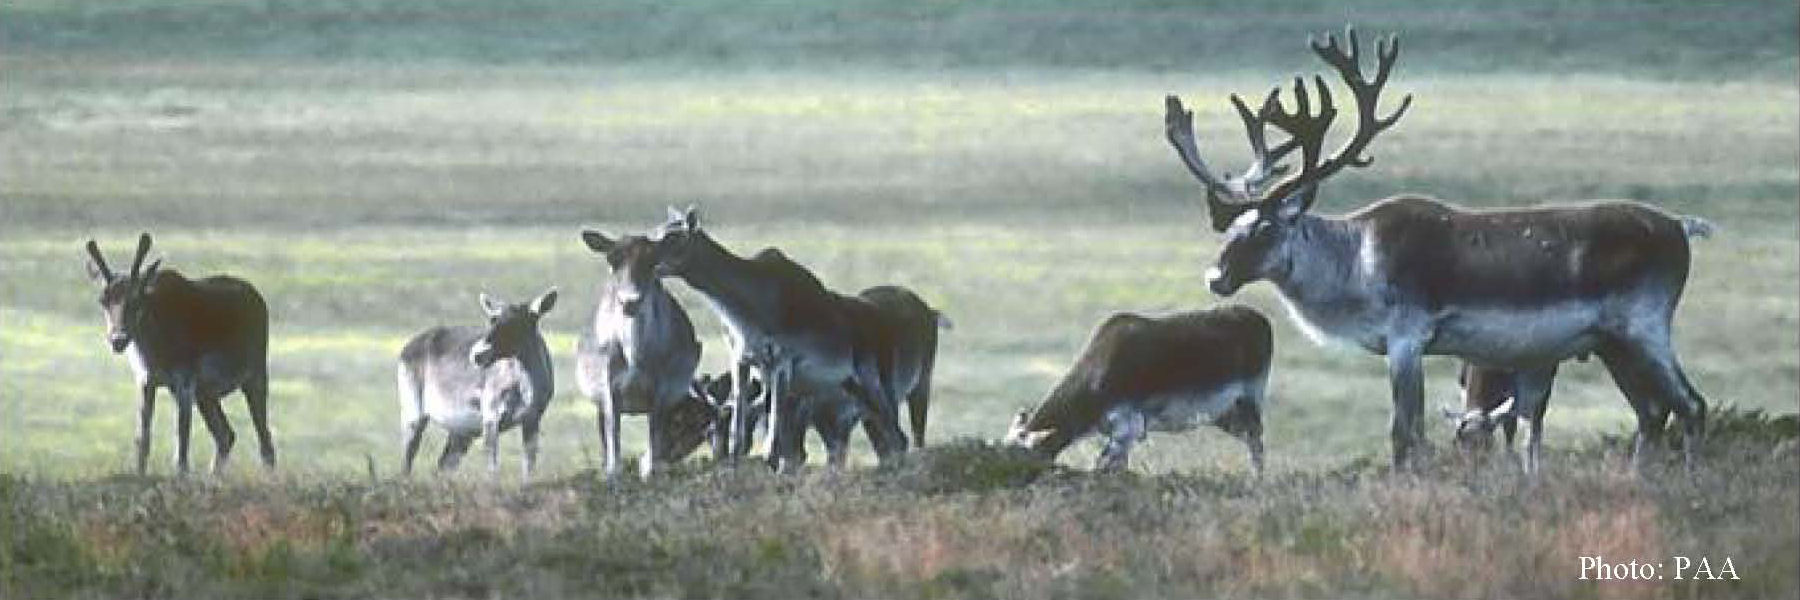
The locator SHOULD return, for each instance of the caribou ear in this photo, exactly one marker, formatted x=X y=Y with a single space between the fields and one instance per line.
x=690 y=218
x=492 y=306
x=598 y=241
x=544 y=303
x=1223 y=213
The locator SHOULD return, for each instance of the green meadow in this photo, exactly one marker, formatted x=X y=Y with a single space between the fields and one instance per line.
x=373 y=165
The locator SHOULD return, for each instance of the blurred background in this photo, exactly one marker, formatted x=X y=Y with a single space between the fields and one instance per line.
x=372 y=165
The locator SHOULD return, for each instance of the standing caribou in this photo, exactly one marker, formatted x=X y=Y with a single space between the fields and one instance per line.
x=478 y=381
x=1519 y=289
x=639 y=353
x=199 y=338
x=819 y=351
x=1140 y=374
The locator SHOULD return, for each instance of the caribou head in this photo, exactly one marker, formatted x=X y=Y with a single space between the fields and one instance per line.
x=123 y=298
x=511 y=327
x=1258 y=215
x=633 y=259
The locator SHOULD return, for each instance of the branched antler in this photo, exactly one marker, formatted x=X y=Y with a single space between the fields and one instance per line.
x=1310 y=131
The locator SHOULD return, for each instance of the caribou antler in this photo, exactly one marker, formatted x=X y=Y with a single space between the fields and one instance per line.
x=1309 y=130
x=98 y=263
x=1240 y=192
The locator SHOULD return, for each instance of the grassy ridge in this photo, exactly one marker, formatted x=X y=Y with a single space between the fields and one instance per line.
x=958 y=521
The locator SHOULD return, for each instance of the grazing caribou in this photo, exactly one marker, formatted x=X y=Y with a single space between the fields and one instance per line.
x=810 y=344
x=693 y=420
x=1141 y=374
x=1487 y=404
x=201 y=339
x=1519 y=289
x=639 y=353
x=478 y=381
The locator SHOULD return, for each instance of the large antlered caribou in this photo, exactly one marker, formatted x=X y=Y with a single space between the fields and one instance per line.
x=1520 y=289
x=202 y=339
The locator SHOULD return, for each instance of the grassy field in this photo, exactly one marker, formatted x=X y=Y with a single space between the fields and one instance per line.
x=372 y=165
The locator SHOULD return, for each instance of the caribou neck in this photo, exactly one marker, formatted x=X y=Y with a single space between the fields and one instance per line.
x=1327 y=280
x=170 y=301
x=728 y=282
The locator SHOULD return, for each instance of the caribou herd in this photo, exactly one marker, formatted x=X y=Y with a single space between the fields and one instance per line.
x=1511 y=292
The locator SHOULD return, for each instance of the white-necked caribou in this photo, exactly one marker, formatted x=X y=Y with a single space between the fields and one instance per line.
x=478 y=381
x=1173 y=373
x=1520 y=289
x=639 y=354
x=821 y=353
x=201 y=339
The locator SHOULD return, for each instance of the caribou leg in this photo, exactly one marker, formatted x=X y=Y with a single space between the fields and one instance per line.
x=411 y=433
x=607 y=424
x=1674 y=389
x=528 y=436
x=490 y=440
x=1244 y=422
x=213 y=416
x=738 y=443
x=184 y=424
x=1628 y=375
x=1122 y=429
x=1406 y=430
x=659 y=424
x=1532 y=389
x=880 y=406
x=453 y=452
x=256 y=395
x=146 y=410
x=787 y=431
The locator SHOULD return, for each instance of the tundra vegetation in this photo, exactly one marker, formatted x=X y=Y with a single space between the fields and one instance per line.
x=371 y=166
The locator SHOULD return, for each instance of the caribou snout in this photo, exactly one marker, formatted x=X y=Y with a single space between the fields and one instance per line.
x=119 y=342
x=1219 y=283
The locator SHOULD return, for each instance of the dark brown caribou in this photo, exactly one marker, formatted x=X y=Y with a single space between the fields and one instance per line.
x=1140 y=374
x=820 y=352
x=201 y=339
x=1519 y=289
x=1486 y=405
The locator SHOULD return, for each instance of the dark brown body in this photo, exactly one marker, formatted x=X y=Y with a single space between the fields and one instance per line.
x=818 y=348
x=1140 y=374
x=201 y=339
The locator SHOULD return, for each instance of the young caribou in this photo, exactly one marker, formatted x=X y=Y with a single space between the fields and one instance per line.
x=1140 y=374
x=639 y=353
x=810 y=343
x=1520 y=289
x=201 y=339
x=478 y=381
